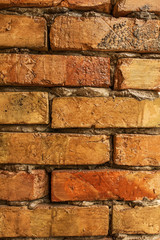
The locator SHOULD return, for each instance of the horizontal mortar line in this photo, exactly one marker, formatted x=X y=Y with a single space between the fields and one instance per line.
x=98 y=167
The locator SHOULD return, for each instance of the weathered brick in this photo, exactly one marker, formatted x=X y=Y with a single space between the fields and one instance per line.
x=100 y=5
x=54 y=149
x=125 y=7
x=104 y=185
x=137 y=150
x=48 y=221
x=23 y=32
x=78 y=221
x=24 y=108
x=137 y=220
x=137 y=74
x=21 y=186
x=54 y=70
x=105 y=33
x=101 y=112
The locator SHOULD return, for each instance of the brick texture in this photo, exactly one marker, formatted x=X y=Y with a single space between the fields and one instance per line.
x=137 y=150
x=21 y=186
x=23 y=108
x=123 y=112
x=47 y=221
x=137 y=220
x=54 y=149
x=137 y=74
x=104 y=184
x=104 y=33
x=124 y=7
x=100 y=5
x=23 y=32
x=54 y=70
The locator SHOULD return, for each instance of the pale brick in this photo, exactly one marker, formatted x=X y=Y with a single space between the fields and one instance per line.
x=137 y=220
x=101 y=112
x=132 y=73
x=24 y=108
x=54 y=149
x=104 y=33
x=23 y=32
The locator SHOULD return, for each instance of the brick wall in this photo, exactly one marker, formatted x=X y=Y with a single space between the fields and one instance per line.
x=79 y=119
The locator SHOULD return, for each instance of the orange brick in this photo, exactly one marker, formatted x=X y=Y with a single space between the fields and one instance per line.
x=124 y=7
x=48 y=221
x=54 y=70
x=104 y=185
x=100 y=5
x=24 y=108
x=102 y=112
x=137 y=74
x=137 y=220
x=21 y=186
x=104 y=33
x=137 y=150
x=23 y=32
x=54 y=149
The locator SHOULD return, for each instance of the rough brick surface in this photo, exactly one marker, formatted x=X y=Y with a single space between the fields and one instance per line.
x=104 y=33
x=137 y=220
x=101 y=112
x=24 y=108
x=23 y=32
x=124 y=7
x=47 y=221
x=137 y=150
x=137 y=74
x=53 y=149
x=54 y=70
x=104 y=184
x=100 y=5
x=21 y=186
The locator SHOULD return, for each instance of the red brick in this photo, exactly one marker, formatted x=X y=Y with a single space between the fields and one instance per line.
x=137 y=150
x=21 y=186
x=104 y=33
x=54 y=149
x=49 y=221
x=104 y=185
x=125 y=7
x=54 y=70
x=100 y=5
x=137 y=220
x=23 y=32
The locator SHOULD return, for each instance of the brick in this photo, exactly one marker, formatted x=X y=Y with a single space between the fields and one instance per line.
x=23 y=32
x=48 y=221
x=125 y=7
x=54 y=70
x=24 y=108
x=101 y=112
x=137 y=220
x=137 y=150
x=22 y=186
x=104 y=184
x=54 y=149
x=137 y=74
x=77 y=221
x=104 y=33
x=100 y=5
